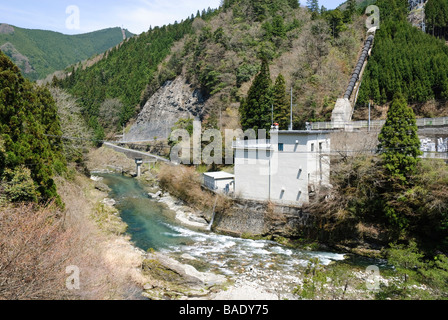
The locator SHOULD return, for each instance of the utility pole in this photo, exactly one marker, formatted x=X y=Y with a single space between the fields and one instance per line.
x=290 y=121
x=369 y=116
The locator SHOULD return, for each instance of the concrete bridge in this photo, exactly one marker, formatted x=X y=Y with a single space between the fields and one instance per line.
x=135 y=154
x=140 y=157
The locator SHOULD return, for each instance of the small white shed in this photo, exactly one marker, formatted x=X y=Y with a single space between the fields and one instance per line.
x=219 y=181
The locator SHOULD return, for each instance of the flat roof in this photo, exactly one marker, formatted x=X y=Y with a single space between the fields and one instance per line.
x=220 y=175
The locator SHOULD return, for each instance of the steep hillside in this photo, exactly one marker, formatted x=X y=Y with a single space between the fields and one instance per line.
x=122 y=74
x=224 y=54
x=29 y=157
x=39 y=53
x=405 y=59
x=219 y=53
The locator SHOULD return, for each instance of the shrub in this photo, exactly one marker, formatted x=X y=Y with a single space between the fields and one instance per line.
x=185 y=183
x=34 y=254
x=18 y=185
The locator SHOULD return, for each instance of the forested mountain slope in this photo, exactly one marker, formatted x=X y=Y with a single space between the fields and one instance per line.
x=220 y=52
x=39 y=53
x=121 y=76
x=30 y=152
x=405 y=59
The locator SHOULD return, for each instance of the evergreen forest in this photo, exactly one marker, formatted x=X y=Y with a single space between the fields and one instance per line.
x=404 y=59
x=31 y=150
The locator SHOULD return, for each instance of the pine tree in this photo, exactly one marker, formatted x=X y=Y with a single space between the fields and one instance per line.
x=255 y=111
x=351 y=7
x=313 y=6
x=294 y=4
x=259 y=8
x=278 y=27
x=280 y=103
x=399 y=148
x=399 y=142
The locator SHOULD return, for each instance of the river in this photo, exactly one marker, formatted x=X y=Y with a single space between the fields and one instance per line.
x=152 y=225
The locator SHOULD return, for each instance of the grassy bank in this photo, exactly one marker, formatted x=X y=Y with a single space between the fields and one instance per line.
x=185 y=183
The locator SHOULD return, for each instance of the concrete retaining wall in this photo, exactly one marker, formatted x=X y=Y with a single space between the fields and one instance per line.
x=255 y=218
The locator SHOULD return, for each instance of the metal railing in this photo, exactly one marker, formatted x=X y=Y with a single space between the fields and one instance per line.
x=252 y=144
x=376 y=124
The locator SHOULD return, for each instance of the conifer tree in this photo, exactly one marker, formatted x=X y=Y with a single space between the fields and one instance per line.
x=259 y=7
x=313 y=6
x=399 y=148
x=399 y=142
x=294 y=4
x=351 y=8
x=278 y=27
x=280 y=103
x=27 y=117
x=255 y=111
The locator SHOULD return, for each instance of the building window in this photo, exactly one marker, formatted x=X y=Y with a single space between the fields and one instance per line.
x=312 y=147
x=280 y=147
x=320 y=146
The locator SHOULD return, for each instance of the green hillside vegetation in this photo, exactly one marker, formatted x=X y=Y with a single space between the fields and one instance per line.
x=123 y=74
x=220 y=52
x=436 y=12
x=30 y=152
x=39 y=53
x=406 y=60
x=394 y=196
x=225 y=54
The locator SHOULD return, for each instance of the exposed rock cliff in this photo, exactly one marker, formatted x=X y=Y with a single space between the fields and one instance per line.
x=173 y=101
x=19 y=59
x=6 y=29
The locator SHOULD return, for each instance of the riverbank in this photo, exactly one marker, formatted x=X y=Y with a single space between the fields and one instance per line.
x=158 y=276
x=108 y=262
x=267 y=283
x=349 y=278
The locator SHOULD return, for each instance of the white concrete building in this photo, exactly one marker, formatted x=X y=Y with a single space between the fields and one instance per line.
x=285 y=169
x=219 y=181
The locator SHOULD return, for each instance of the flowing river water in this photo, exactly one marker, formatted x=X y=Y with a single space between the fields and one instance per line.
x=152 y=225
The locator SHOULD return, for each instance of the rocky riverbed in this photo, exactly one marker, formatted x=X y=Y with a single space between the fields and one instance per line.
x=191 y=262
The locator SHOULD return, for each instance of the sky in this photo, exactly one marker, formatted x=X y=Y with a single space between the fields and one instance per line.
x=82 y=16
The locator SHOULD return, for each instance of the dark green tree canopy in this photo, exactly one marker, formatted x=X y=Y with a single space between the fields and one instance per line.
x=399 y=141
x=29 y=128
x=281 y=103
x=404 y=59
x=255 y=111
x=436 y=15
